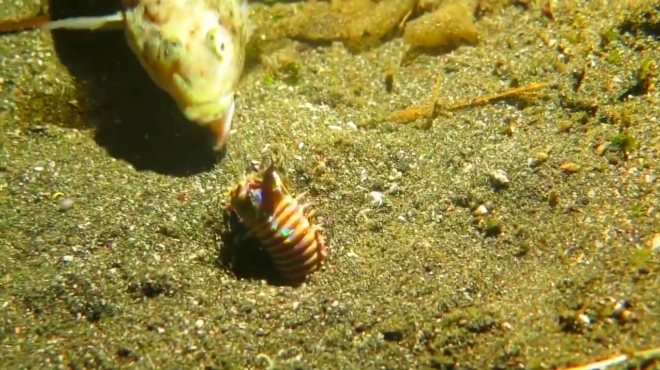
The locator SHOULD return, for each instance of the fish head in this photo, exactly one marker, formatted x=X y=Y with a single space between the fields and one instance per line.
x=195 y=53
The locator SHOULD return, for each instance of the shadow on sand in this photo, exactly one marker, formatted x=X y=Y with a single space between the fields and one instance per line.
x=135 y=121
x=244 y=255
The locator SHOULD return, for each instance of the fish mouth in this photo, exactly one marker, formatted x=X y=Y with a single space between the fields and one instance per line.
x=222 y=126
x=214 y=114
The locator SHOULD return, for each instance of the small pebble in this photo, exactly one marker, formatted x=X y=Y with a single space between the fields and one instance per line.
x=538 y=159
x=570 y=167
x=600 y=149
x=541 y=157
x=66 y=204
x=565 y=126
x=481 y=210
x=377 y=198
x=499 y=179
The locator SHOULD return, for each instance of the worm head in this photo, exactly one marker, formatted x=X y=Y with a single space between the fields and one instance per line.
x=246 y=200
x=273 y=182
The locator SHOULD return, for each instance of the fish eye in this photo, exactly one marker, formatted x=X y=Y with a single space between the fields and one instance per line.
x=217 y=42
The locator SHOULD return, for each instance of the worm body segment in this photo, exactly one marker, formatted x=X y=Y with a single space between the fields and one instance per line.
x=280 y=222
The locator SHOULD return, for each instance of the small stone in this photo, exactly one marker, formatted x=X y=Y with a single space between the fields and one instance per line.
x=66 y=204
x=570 y=167
x=600 y=149
x=481 y=210
x=67 y=258
x=499 y=179
x=539 y=158
x=377 y=198
x=565 y=126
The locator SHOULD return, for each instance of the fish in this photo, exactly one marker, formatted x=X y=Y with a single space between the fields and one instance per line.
x=192 y=49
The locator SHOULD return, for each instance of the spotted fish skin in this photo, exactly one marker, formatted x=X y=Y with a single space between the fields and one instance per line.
x=192 y=49
x=195 y=50
x=280 y=222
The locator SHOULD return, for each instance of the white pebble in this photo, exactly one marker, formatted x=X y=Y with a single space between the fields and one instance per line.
x=499 y=178
x=376 y=198
x=65 y=204
x=481 y=210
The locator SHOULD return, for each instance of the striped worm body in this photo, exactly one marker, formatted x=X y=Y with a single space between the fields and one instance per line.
x=280 y=222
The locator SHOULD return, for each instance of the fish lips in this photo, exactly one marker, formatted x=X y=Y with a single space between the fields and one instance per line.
x=216 y=115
